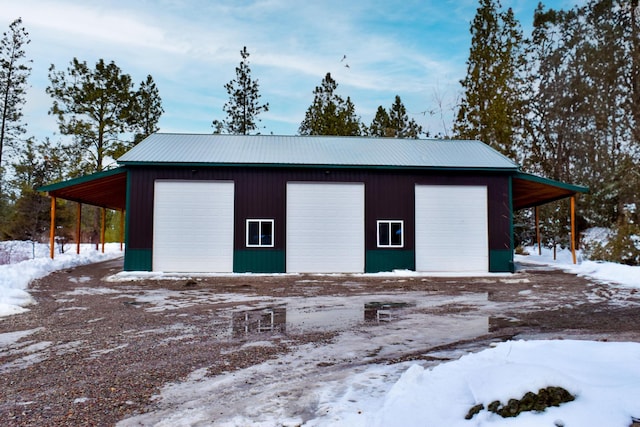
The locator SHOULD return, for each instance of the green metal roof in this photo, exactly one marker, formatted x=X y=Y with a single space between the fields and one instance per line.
x=105 y=189
x=270 y=150
x=109 y=188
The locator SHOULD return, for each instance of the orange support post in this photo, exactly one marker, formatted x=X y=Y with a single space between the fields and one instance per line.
x=52 y=228
x=102 y=227
x=573 y=228
x=78 y=229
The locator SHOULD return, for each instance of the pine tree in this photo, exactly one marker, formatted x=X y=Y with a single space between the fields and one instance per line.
x=634 y=73
x=146 y=111
x=395 y=123
x=583 y=127
x=330 y=114
x=244 y=105
x=400 y=123
x=14 y=72
x=492 y=106
x=94 y=106
x=36 y=165
x=381 y=124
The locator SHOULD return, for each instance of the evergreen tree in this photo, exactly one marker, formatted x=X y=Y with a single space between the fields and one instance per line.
x=147 y=110
x=634 y=72
x=95 y=107
x=99 y=108
x=492 y=106
x=381 y=124
x=330 y=114
x=14 y=72
x=583 y=106
x=395 y=123
x=244 y=105
x=37 y=165
x=400 y=123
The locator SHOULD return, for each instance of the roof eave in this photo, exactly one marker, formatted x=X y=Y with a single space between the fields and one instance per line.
x=81 y=180
x=569 y=187
x=319 y=166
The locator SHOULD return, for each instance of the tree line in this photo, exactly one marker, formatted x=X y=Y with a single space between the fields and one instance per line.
x=563 y=101
x=98 y=107
x=329 y=113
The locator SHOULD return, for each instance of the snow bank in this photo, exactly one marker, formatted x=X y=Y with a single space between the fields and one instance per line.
x=607 y=272
x=15 y=277
x=604 y=377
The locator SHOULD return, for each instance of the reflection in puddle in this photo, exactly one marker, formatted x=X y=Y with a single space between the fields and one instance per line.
x=270 y=319
x=305 y=315
x=275 y=319
x=387 y=325
x=382 y=311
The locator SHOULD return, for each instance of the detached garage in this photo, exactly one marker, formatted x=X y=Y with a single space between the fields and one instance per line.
x=227 y=203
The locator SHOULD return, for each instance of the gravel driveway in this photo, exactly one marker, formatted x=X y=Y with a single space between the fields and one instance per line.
x=96 y=348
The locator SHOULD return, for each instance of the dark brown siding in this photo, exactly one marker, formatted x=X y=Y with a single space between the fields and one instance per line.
x=261 y=193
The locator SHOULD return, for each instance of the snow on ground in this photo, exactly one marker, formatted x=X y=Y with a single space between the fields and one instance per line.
x=606 y=272
x=603 y=376
x=29 y=261
x=347 y=391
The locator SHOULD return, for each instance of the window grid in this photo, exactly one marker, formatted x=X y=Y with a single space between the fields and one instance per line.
x=259 y=233
x=390 y=233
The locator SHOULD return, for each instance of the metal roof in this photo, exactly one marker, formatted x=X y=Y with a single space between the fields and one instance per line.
x=107 y=189
x=270 y=150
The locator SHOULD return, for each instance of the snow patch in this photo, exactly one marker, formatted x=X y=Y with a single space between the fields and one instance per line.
x=34 y=263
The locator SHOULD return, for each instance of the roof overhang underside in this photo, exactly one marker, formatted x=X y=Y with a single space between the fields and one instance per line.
x=531 y=190
x=107 y=189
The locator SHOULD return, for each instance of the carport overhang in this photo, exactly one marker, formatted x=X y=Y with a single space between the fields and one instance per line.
x=530 y=190
x=106 y=189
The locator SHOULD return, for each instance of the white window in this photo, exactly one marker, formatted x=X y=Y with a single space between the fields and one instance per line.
x=390 y=233
x=260 y=233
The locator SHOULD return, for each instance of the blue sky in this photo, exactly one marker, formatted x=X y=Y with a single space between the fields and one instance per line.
x=415 y=49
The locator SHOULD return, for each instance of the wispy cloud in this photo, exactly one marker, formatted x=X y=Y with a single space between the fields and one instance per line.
x=413 y=48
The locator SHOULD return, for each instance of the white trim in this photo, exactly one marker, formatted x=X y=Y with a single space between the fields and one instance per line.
x=260 y=221
x=389 y=222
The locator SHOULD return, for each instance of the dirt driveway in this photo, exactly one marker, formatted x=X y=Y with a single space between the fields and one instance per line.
x=95 y=350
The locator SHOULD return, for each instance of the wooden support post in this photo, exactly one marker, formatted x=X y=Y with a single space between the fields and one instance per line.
x=102 y=227
x=538 y=238
x=52 y=229
x=78 y=227
x=121 y=229
x=573 y=228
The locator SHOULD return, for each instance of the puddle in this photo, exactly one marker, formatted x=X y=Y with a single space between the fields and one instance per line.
x=335 y=314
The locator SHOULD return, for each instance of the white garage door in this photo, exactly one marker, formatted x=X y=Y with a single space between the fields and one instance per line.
x=452 y=232
x=193 y=226
x=325 y=227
